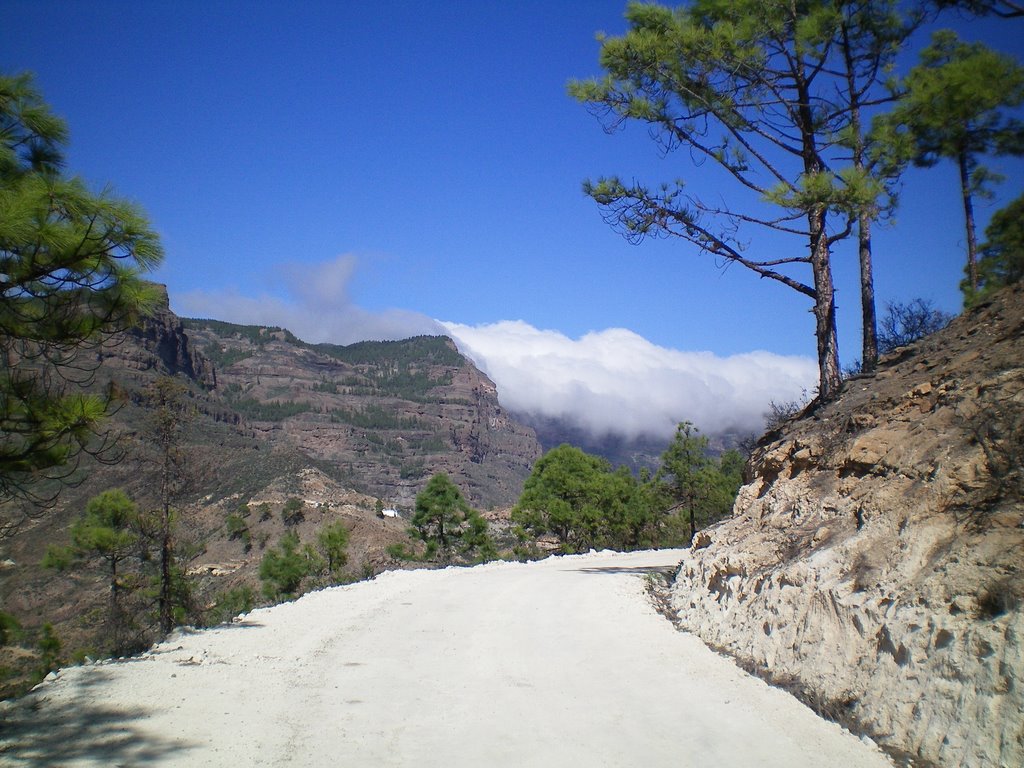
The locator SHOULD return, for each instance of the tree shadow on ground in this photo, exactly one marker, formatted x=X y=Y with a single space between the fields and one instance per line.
x=35 y=731
x=638 y=570
x=182 y=632
x=239 y=624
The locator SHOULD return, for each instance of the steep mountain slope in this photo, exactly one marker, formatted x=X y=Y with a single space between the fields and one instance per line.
x=343 y=429
x=875 y=559
x=381 y=417
x=388 y=414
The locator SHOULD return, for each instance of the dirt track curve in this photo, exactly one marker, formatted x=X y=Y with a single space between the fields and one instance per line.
x=562 y=662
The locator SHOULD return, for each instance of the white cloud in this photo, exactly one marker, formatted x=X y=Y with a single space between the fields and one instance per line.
x=610 y=381
x=317 y=308
x=615 y=381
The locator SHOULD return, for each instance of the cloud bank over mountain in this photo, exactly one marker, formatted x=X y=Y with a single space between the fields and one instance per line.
x=615 y=381
x=608 y=382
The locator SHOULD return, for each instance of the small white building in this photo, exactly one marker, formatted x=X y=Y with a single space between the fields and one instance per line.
x=389 y=513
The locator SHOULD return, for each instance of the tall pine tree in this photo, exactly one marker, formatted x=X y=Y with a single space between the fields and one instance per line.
x=956 y=107
x=70 y=264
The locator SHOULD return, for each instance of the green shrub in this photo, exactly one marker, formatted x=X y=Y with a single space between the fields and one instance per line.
x=293 y=512
x=49 y=651
x=10 y=629
x=284 y=568
x=232 y=603
x=333 y=542
x=238 y=529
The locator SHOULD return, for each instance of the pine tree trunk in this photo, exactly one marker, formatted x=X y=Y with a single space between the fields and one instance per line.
x=113 y=585
x=829 y=378
x=972 y=246
x=166 y=614
x=869 y=322
x=117 y=625
x=115 y=613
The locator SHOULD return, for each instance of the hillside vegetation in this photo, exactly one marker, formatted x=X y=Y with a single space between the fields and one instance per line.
x=274 y=444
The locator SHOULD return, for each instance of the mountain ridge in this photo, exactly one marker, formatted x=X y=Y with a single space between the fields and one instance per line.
x=344 y=430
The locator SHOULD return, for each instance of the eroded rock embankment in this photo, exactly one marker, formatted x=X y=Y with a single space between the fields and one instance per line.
x=876 y=557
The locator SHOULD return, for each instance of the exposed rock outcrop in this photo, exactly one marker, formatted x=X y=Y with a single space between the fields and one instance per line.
x=391 y=414
x=875 y=559
x=159 y=343
x=387 y=415
x=270 y=418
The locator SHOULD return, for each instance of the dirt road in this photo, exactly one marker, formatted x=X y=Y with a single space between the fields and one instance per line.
x=558 y=663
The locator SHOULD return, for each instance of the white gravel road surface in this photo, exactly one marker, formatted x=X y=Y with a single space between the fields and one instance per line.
x=562 y=662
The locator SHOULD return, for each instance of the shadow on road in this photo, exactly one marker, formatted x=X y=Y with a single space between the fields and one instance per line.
x=239 y=624
x=659 y=570
x=37 y=732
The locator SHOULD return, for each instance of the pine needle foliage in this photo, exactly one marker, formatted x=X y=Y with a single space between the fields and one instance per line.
x=71 y=262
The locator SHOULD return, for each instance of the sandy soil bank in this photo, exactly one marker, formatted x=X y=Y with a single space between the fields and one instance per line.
x=556 y=663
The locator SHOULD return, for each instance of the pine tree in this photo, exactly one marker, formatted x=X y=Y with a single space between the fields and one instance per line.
x=439 y=515
x=333 y=542
x=754 y=87
x=1002 y=254
x=70 y=264
x=869 y=35
x=686 y=470
x=108 y=531
x=957 y=107
x=165 y=432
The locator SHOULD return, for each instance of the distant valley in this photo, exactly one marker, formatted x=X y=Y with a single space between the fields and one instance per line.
x=379 y=416
x=636 y=452
x=342 y=431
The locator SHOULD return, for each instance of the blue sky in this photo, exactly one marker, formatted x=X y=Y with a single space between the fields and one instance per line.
x=364 y=169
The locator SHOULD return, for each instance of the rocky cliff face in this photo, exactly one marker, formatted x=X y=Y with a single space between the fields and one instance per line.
x=388 y=414
x=272 y=418
x=158 y=345
x=875 y=559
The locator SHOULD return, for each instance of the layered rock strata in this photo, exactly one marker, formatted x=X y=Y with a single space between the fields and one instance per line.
x=875 y=559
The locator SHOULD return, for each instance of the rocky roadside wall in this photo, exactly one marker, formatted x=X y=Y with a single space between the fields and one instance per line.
x=875 y=560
